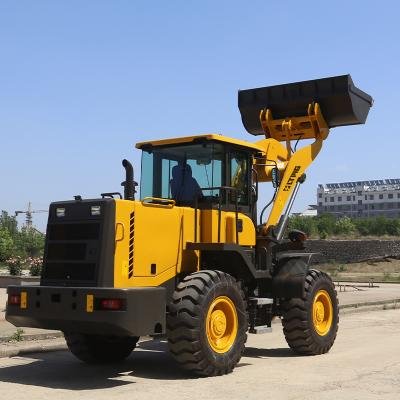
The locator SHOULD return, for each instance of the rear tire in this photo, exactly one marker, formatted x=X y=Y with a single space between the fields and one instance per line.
x=100 y=349
x=310 y=324
x=207 y=323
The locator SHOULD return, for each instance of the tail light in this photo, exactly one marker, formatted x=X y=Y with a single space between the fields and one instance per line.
x=14 y=299
x=111 y=304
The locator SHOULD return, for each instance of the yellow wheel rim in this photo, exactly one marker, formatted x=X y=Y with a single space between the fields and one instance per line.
x=221 y=324
x=322 y=312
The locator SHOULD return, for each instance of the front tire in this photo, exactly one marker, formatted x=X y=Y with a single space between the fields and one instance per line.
x=310 y=324
x=207 y=323
x=99 y=349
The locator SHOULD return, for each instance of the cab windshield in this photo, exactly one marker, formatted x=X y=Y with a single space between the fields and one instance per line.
x=190 y=172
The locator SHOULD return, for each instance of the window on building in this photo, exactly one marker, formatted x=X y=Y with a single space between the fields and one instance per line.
x=398 y=195
x=331 y=208
x=320 y=203
x=326 y=199
x=365 y=197
x=339 y=198
x=331 y=199
x=359 y=192
x=371 y=196
x=372 y=207
x=348 y=198
x=359 y=201
x=354 y=198
x=320 y=195
x=390 y=196
x=381 y=196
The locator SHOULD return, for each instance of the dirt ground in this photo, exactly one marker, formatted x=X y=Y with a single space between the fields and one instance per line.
x=385 y=270
x=363 y=364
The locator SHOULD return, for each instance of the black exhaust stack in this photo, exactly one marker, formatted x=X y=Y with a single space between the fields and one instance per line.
x=129 y=184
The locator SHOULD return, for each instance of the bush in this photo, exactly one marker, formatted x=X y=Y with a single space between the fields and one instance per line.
x=378 y=226
x=363 y=226
x=326 y=225
x=323 y=235
x=344 y=226
x=17 y=335
x=35 y=265
x=14 y=266
x=393 y=227
x=304 y=224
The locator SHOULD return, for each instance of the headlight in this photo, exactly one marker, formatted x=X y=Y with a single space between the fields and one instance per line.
x=60 y=212
x=95 y=210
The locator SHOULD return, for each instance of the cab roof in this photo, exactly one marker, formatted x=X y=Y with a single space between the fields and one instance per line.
x=190 y=139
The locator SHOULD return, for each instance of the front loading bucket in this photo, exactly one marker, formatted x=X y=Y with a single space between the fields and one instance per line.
x=341 y=102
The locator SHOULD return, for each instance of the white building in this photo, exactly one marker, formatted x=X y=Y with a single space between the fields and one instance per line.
x=311 y=211
x=360 y=199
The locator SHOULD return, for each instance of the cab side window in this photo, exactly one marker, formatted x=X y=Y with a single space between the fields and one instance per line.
x=239 y=167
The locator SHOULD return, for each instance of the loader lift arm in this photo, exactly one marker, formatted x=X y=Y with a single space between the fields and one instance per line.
x=296 y=111
x=292 y=164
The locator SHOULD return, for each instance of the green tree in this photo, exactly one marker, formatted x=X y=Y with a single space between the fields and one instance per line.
x=30 y=242
x=8 y=223
x=6 y=244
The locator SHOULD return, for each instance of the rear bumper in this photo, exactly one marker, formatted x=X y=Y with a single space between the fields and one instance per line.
x=69 y=310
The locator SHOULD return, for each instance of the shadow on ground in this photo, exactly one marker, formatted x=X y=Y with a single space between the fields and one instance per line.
x=61 y=370
x=150 y=360
x=254 y=352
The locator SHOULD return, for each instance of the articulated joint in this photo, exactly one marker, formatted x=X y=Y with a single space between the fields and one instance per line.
x=310 y=126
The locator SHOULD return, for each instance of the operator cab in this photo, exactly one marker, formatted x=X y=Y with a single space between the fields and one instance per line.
x=208 y=171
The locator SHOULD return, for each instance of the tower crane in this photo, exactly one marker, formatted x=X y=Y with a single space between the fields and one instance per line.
x=28 y=214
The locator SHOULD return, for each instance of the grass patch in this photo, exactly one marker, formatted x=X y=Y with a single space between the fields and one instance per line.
x=17 y=335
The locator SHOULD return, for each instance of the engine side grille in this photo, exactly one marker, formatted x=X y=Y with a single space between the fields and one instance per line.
x=131 y=240
x=70 y=272
x=66 y=251
x=72 y=253
x=80 y=244
x=73 y=231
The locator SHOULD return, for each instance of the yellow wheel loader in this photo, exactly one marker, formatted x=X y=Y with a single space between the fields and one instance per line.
x=194 y=259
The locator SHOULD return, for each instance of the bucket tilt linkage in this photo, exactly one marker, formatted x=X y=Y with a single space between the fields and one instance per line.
x=310 y=126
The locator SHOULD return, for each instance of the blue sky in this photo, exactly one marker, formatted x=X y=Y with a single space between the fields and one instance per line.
x=82 y=81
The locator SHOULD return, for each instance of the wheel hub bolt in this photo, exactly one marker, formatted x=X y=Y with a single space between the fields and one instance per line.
x=218 y=323
x=320 y=313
